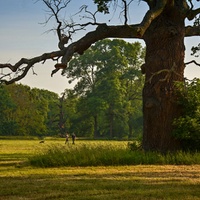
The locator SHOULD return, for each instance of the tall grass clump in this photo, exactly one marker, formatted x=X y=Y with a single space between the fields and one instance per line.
x=82 y=155
x=105 y=155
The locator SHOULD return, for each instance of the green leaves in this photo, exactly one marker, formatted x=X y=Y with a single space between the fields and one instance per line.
x=25 y=111
x=195 y=50
x=109 y=84
x=7 y=107
x=188 y=125
x=103 y=5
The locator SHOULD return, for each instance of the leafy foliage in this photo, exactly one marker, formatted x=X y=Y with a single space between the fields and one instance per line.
x=7 y=107
x=102 y=5
x=26 y=110
x=195 y=50
x=109 y=85
x=188 y=125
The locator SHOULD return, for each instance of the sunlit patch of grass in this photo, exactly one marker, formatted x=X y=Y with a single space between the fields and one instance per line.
x=14 y=152
x=55 y=153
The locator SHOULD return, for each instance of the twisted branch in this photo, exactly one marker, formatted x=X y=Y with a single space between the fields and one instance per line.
x=22 y=67
x=193 y=61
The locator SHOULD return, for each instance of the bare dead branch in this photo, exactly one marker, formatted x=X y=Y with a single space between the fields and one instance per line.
x=125 y=12
x=92 y=16
x=33 y=71
x=103 y=31
x=191 y=4
x=193 y=61
x=74 y=27
x=55 y=8
x=22 y=67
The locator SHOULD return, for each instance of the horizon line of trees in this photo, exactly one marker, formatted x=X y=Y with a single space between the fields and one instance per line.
x=106 y=100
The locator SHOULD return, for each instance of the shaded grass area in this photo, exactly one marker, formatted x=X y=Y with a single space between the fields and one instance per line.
x=119 y=182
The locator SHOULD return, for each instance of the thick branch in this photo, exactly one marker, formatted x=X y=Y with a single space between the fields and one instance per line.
x=151 y=15
x=125 y=12
x=192 y=31
x=22 y=67
x=193 y=13
x=193 y=61
x=103 y=31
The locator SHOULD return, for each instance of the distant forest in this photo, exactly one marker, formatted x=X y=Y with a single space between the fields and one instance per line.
x=106 y=101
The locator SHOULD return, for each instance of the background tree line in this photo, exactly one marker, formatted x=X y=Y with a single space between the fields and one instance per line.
x=106 y=100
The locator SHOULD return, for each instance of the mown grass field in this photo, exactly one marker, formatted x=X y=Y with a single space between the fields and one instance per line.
x=20 y=182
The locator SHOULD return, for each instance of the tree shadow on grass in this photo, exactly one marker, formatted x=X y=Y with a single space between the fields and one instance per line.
x=120 y=185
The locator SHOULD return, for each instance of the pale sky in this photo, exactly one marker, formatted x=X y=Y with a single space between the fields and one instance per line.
x=21 y=35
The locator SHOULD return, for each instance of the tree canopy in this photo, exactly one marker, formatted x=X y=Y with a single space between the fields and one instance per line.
x=109 y=81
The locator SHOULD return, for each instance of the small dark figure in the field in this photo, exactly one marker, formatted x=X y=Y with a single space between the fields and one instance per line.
x=42 y=141
x=66 y=138
x=73 y=138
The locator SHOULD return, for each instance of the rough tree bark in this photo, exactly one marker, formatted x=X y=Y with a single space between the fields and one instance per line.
x=164 y=65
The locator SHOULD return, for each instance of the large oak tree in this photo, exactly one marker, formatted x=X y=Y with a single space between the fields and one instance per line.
x=163 y=30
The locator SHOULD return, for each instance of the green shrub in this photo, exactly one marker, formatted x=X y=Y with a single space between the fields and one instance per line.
x=135 y=145
x=187 y=127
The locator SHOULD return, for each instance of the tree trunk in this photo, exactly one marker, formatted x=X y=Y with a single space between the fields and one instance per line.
x=111 y=126
x=61 y=123
x=130 y=127
x=111 y=120
x=130 y=135
x=164 y=65
x=96 y=135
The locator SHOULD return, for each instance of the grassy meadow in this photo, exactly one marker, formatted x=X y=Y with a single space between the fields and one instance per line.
x=21 y=180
